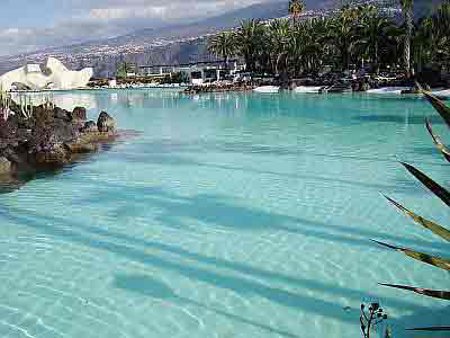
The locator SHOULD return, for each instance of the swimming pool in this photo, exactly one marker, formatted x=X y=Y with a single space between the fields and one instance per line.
x=229 y=215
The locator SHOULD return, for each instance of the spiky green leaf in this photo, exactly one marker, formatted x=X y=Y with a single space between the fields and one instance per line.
x=420 y=256
x=437 y=141
x=431 y=329
x=430 y=225
x=441 y=108
x=438 y=190
x=426 y=292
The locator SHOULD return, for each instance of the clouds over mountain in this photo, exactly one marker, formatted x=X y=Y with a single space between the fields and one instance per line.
x=165 y=10
x=81 y=20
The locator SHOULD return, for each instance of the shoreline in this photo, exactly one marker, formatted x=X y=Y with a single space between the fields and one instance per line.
x=393 y=90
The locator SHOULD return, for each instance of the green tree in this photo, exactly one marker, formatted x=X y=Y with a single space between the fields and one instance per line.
x=296 y=8
x=431 y=41
x=223 y=45
x=279 y=35
x=407 y=10
x=123 y=69
x=442 y=31
x=355 y=35
x=344 y=35
x=423 y=43
x=373 y=36
x=310 y=45
x=250 y=39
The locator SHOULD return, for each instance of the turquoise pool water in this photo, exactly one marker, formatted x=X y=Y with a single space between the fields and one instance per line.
x=231 y=215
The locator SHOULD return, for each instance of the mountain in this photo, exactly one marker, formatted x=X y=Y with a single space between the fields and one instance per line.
x=207 y=26
x=171 y=44
x=141 y=41
x=276 y=9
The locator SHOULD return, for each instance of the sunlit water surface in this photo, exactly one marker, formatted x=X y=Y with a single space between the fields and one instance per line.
x=230 y=215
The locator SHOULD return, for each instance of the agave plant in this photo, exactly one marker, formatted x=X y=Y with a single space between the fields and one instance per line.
x=25 y=106
x=437 y=229
x=373 y=317
x=5 y=104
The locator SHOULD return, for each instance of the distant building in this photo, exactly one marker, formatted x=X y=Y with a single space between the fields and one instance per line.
x=197 y=73
x=54 y=76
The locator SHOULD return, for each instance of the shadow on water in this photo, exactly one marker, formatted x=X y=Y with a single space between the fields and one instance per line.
x=166 y=147
x=152 y=288
x=415 y=120
x=433 y=151
x=9 y=184
x=217 y=211
x=162 y=152
x=212 y=261
x=425 y=317
x=237 y=277
x=79 y=233
x=14 y=182
x=173 y=160
x=223 y=280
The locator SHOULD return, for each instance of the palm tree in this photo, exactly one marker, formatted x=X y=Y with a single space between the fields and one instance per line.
x=424 y=43
x=431 y=41
x=407 y=9
x=250 y=39
x=344 y=35
x=279 y=35
x=353 y=35
x=441 y=32
x=309 y=46
x=296 y=8
x=373 y=31
x=392 y=49
x=223 y=45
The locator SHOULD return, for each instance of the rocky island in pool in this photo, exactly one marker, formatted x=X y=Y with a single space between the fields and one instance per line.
x=35 y=138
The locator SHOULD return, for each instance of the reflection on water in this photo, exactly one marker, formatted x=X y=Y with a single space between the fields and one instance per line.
x=65 y=100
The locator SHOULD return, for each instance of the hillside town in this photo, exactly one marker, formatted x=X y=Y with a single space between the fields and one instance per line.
x=105 y=56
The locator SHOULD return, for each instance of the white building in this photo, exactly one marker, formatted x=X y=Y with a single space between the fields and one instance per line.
x=197 y=73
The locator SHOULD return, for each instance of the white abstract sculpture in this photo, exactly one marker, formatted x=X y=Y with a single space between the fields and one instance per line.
x=27 y=76
x=33 y=78
x=62 y=78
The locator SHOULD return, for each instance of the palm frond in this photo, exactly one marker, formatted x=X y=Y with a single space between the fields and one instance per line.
x=438 y=190
x=437 y=141
x=441 y=108
x=426 y=292
x=430 y=225
x=431 y=329
x=438 y=262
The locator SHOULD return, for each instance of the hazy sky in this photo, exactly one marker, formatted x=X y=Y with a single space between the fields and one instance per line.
x=31 y=24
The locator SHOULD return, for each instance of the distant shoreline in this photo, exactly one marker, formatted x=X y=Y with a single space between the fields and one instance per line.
x=400 y=91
